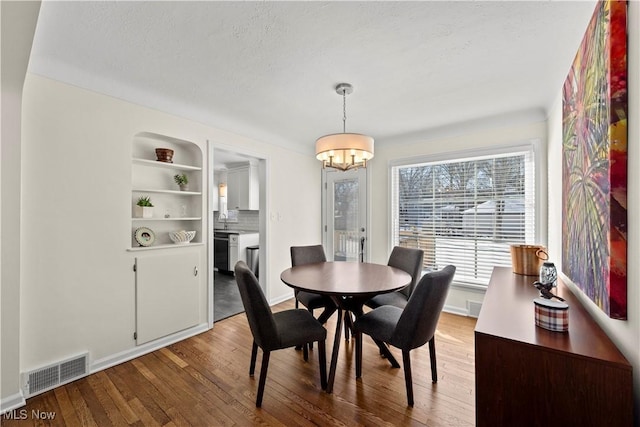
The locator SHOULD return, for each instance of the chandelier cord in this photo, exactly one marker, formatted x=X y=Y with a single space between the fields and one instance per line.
x=344 y=111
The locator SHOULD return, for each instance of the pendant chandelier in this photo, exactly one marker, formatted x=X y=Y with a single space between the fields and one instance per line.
x=344 y=150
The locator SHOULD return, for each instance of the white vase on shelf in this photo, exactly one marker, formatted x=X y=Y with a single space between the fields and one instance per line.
x=143 y=211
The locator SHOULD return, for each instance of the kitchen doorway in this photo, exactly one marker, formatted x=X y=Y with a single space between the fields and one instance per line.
x=238 y=219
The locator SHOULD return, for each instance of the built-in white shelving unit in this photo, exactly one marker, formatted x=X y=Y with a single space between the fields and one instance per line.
x=173 y=210
x=169 y=278
x=175 y=192
x=157 y=164
x=167 y=246
x=168 y=219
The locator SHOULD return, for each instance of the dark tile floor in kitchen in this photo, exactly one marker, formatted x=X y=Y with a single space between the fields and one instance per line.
x=226 y=297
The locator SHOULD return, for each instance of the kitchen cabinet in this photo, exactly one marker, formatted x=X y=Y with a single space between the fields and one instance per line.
x=238 y=246
x=167 y=293
x=243 y=188
x=231 y=247
x=215 y=202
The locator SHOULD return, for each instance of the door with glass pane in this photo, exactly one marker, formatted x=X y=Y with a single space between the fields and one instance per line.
x=345 y=215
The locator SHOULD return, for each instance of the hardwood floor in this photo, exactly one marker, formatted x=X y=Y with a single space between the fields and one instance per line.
x=204 y=381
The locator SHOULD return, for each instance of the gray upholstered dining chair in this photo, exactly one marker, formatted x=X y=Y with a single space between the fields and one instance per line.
x=410 y=327
x=275 y=331
x=408 y=260
x=301 y=255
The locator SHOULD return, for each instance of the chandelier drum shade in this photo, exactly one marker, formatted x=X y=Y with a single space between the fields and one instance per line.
x=344 y=150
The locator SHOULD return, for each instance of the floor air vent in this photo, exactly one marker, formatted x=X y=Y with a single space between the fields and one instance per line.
x=51 y=376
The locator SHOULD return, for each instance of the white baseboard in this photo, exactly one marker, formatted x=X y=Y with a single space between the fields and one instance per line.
x=126 y=355
x=455 y=310
x=12 y=402
x=280 y=299
x=17 y=400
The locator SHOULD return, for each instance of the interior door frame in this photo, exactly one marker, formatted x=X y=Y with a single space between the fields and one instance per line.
x=366 y=193
x=264 y=167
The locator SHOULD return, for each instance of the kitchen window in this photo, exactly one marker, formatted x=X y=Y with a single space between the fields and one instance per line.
x=465 y=209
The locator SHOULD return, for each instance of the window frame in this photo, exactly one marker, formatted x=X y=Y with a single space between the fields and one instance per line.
x=532 y=145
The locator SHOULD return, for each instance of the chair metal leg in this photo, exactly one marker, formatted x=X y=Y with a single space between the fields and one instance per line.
x=406 y=361
x=348 y=324
x=295 y=297
x=432 y=357
x=254 y=354
x=263 y=377
x=305 y=348
x=310 y=345
x=323 y=364
x=358 y=337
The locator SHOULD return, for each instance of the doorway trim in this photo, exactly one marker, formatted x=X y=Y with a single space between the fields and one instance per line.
x=264 y=176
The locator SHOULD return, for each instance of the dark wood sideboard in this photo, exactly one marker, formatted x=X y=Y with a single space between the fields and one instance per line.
x=529 y=376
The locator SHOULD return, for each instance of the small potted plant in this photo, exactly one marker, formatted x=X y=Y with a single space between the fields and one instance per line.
x=144 y=207
x=182 y=181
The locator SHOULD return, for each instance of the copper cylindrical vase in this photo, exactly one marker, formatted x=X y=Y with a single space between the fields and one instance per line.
x=527 y=259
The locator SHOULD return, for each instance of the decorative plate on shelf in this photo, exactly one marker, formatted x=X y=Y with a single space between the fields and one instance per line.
x=144 y=236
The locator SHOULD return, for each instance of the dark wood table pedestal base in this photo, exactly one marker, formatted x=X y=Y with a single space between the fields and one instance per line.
x=345 y=306
x=350 y=285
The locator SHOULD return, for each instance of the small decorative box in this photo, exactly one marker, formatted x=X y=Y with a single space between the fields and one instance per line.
x=552 y=315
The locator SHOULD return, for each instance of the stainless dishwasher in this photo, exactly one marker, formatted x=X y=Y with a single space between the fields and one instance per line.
x=221 y=252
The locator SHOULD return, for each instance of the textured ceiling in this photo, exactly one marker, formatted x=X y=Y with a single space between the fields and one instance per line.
x=267 y=70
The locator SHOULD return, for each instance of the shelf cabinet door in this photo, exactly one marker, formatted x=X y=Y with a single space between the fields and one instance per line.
x=167 y=294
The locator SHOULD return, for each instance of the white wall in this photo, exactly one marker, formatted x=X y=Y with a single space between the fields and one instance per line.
x=294 y=214
x=77 y=286
x=625 y=334
x=18 y=26
x=459 y=138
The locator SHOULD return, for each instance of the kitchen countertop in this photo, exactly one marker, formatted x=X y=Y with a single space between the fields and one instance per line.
x=220 y=230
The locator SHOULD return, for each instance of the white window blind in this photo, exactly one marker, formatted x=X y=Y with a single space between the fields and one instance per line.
x=466 y=211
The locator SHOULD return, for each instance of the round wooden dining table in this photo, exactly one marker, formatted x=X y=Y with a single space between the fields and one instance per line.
x=350 y=285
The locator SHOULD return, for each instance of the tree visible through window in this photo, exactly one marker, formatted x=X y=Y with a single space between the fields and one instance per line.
x=465 y=212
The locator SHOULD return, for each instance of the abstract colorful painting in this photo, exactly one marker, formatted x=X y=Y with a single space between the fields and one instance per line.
x=594 y=157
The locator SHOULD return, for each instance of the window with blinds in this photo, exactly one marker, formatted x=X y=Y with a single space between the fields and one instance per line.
x=466 y=211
